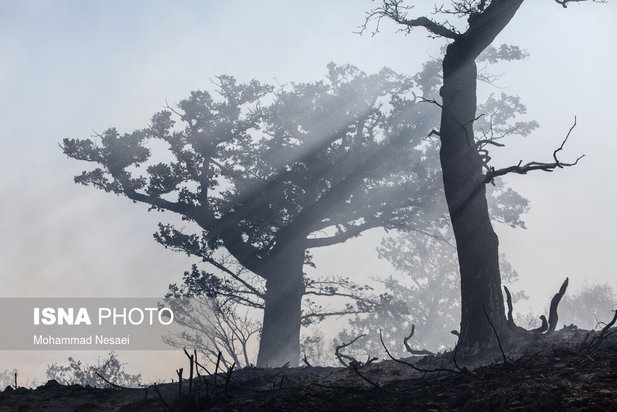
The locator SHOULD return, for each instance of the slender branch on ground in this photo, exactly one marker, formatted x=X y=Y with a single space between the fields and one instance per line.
x=104 y=379
x=354 y=367
x=412 y=366
x=340 y=356
x=409 y=348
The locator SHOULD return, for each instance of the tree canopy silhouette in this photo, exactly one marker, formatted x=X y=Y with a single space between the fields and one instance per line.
x=267 y=173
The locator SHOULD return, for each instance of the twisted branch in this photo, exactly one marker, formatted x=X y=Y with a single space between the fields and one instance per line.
x=522 y=169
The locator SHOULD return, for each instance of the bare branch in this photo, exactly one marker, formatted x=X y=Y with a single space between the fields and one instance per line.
x=431 y=101
x=421 y=352
x=355 y=366
x=411 y=365
x=560 y=148
x=480 y=143
x=340 y=356
x=329 y=314
x=564 y=3
x=396 y=11
x=597 y=340
x=104 y=379
x=528 y=167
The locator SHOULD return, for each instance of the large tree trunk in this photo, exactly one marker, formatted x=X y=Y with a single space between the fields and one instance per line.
x=476 y=242
x=280 y=336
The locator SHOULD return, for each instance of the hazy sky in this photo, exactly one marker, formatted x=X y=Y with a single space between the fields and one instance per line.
x=70 y=68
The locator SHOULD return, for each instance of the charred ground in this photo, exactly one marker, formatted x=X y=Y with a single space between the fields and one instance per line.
x=567 y=370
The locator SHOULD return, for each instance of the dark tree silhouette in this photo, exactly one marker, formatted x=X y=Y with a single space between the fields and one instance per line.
x=465 y=168
x=267 y=174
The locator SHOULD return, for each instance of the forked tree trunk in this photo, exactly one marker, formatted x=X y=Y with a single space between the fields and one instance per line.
x=280 y=336
x=463 y=178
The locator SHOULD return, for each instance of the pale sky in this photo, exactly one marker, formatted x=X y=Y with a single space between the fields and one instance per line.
x=73 y=67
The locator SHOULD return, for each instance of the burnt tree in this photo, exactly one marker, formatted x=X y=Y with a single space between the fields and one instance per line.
x=465 y=170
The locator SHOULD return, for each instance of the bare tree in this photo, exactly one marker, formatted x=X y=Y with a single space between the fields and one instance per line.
x=215 y=326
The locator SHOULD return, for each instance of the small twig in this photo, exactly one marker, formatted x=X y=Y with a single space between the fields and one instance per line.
x=420 y=352
x=100 y=376
x=340 y=356
x=306 y=362
x=560 y=148
x=201 y=366
x=354 y=367
x=597 y=340
x=436 y=103
x=370 y=359
x=609 y=325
